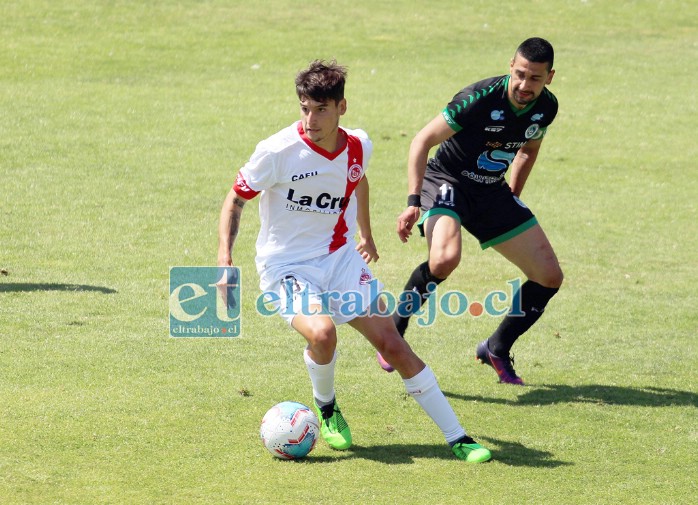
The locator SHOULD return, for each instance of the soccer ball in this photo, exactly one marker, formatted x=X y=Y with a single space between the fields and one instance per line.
x=289 y=430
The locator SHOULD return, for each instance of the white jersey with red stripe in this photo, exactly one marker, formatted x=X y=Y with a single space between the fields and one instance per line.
x=307 y=205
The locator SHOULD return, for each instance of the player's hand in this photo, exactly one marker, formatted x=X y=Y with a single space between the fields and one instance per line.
x=225 y=259
x=224 y=262
x=367 y=249
x=406 y=221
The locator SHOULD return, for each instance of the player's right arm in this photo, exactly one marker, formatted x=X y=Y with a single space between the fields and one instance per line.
x=435 y=132
x=258 y=171
x=228 y=226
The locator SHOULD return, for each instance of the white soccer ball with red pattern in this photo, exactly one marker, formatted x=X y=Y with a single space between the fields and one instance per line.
x=289 y=430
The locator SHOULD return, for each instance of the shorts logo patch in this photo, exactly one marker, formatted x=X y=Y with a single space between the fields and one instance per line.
x=516 y=199
x=365 y=277
x=290 y=285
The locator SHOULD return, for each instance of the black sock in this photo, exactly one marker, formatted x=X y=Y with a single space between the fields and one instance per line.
x=423 y=282
x=327 y=409
x=534 y=298
x=462 y=440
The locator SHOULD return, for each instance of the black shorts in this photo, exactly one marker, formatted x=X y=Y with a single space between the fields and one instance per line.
x=492 y=214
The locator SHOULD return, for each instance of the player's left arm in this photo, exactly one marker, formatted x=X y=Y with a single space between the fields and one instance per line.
x=523 y=164
x=366 y=246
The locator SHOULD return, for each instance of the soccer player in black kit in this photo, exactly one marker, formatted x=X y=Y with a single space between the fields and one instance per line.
x=489 y=127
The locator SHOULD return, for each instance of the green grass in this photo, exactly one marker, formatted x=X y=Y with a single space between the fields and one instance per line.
x=123 y=125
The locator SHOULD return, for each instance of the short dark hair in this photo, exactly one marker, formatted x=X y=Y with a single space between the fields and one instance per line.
x=322 y=81
x=537 y=50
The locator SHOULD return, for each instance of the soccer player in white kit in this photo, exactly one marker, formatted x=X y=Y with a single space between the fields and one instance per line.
x=313 y=191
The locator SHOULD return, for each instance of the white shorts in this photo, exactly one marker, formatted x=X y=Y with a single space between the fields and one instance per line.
x=341 y=284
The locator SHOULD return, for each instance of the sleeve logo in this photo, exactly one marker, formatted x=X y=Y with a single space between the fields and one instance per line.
x=531 y=131
x=355 y=172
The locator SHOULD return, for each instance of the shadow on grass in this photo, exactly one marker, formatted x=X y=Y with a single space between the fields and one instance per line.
x=517 y=454
x=550 y=394
x=29 y=287
x=510 y=453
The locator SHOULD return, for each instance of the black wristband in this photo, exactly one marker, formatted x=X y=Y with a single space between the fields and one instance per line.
x=414 y=201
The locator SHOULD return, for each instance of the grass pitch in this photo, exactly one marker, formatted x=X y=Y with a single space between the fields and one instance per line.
x=123 y=125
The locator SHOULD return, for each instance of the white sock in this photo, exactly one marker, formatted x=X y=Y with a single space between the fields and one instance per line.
x=424 y=388
x=322 y=378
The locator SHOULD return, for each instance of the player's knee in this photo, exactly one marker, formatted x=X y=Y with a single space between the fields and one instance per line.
x=553 y=277
x=442 y=265
x=548 y=275
x=560 y=277
x=322 y=336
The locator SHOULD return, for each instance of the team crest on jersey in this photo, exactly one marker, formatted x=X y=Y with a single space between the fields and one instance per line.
x=531 y=131
x=355 y=172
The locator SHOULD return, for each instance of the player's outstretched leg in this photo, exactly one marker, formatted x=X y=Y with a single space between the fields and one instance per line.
x=421 y=384
x=532 y=253
x=424 y=388
x=495 y=351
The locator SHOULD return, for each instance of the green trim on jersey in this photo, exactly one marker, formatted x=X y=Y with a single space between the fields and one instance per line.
x=436 y=211
x=521 y=112
x=517 y=112
x=511 y=233
x=449 y=114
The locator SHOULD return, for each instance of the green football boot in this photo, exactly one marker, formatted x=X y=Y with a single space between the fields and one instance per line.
x=333 y=427
x=468 y=450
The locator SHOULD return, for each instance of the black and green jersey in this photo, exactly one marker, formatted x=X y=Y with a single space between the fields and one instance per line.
x=489 y=132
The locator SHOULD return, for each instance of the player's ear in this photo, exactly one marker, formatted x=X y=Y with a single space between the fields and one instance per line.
x=550 y=76
x=342 y=105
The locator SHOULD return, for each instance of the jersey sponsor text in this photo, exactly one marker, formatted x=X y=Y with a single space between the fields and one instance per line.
x=298 y=177
x=324 y=202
